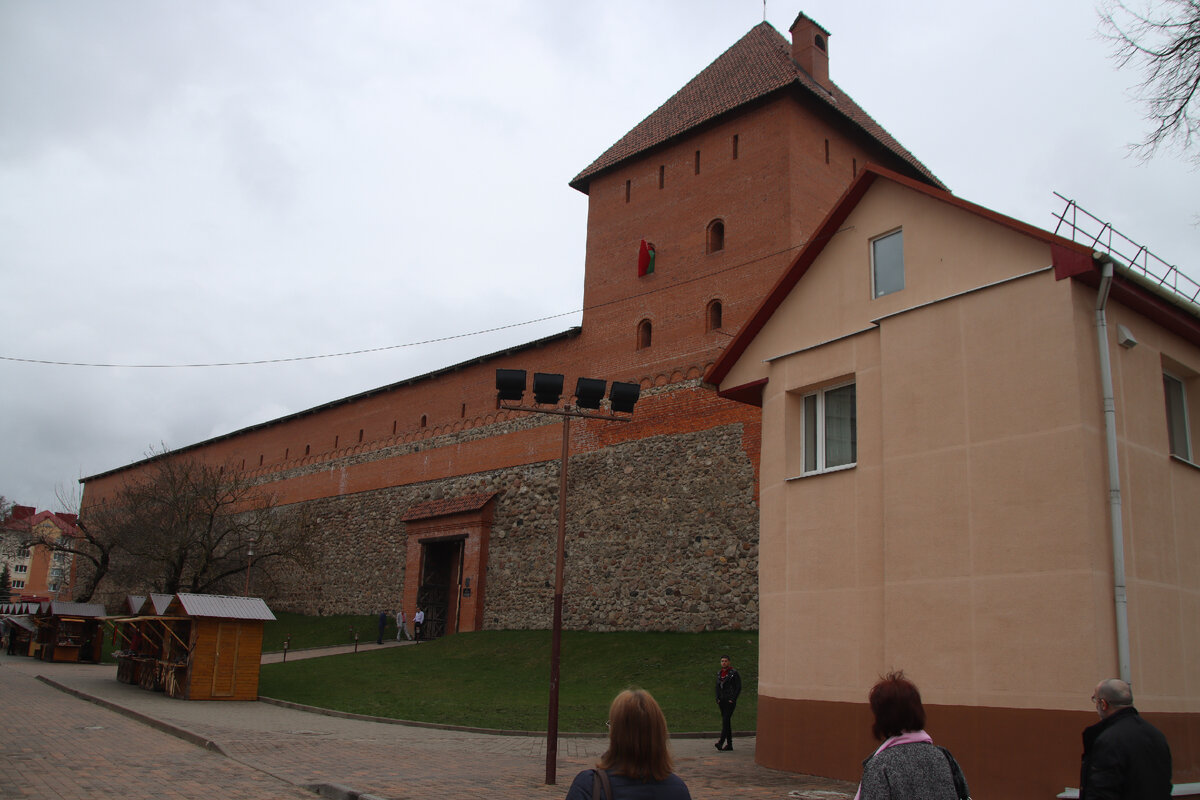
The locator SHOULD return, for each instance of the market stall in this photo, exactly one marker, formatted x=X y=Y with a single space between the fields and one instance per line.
x=226 y=646
x=195 y=646
x=69 y=631
x=18 y=628
x=146 y=638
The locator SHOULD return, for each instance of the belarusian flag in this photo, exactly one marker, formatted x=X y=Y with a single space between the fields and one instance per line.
x=646 y=258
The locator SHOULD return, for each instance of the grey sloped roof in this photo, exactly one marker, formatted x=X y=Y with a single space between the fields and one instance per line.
x=61 y=608
x=224 y=606
x=757 y=65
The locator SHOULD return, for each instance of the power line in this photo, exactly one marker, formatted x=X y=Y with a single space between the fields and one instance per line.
x=262 y=361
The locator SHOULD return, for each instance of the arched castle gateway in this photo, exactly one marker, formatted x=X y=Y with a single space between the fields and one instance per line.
x=425 y=489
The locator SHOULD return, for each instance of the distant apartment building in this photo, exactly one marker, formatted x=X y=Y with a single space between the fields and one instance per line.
x=35 y=572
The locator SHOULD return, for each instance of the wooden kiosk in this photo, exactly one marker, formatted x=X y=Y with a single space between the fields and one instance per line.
x=139 y=662
x=69 y=631
x=196 y=647
x=16 y=620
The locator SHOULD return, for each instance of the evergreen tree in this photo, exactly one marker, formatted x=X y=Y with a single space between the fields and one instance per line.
x=5 y=586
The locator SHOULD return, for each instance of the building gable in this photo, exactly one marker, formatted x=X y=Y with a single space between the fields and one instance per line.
x=943 y=230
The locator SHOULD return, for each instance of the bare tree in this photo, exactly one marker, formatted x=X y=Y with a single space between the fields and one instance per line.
x=181 y=525
x=1165 y=45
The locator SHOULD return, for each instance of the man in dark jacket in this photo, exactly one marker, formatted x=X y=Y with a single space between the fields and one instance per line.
x=1123 y=755
x=729 y=686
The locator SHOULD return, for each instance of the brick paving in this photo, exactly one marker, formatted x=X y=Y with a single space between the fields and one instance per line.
x=60 y=746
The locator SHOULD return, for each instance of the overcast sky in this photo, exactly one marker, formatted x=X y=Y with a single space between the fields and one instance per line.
x=192 y=183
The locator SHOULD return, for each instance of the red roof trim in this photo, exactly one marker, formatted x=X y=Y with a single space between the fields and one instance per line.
x=749 y=393
x=1071 y=254
x=447 y=506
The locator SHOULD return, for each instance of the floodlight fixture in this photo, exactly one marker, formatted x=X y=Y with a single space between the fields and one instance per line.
x=547 y=388
x=623 y=396
x=510 y=384
x=589 y=392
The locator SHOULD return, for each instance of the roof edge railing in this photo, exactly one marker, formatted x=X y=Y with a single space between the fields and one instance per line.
x=1101 y=235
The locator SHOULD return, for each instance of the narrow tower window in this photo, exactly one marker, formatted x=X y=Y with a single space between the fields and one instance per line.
x=360 y=433
x=712 y=316
x=735 y=143
x=826 y=151
x=716 y=236
x=643 y=334
x=627 y=189
x=662 y=175
x=424 y=421
x=697 y=162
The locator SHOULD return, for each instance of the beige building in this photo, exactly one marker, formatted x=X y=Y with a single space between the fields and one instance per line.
x=935 y=492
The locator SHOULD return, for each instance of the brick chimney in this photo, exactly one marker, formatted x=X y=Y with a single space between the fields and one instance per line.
x=810 y=49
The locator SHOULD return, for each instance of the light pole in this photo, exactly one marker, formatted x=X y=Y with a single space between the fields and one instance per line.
x=547 y=388
x=249 y=562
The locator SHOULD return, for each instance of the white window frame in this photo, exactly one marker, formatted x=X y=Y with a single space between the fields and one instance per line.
x=1185 y=435
x=875 y=291
x=814 y=413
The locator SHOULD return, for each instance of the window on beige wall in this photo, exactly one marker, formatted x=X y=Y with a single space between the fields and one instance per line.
x=830 y=428
x=1178 y=431
x=887 y=264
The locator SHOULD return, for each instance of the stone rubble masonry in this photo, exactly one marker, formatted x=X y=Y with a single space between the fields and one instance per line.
x=662 y=529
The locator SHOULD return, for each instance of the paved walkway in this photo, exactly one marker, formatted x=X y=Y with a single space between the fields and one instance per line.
x=130 y=743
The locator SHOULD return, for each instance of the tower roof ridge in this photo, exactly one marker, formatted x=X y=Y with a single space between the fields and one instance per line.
x=757 y=65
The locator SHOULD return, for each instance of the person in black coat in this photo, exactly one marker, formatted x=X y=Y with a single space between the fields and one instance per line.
x=729 y=686
x=1123 y=755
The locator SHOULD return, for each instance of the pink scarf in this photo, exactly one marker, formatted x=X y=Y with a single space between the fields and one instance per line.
x=908 y=737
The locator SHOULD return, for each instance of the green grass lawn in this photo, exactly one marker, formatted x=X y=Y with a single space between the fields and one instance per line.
x=322 y=631
x=501 y=679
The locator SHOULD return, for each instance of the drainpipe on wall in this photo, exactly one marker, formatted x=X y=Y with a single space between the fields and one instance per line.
x=1114 y=474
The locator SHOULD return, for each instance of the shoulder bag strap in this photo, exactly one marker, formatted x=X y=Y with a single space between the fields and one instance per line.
x=600 y=782
x=960 y=781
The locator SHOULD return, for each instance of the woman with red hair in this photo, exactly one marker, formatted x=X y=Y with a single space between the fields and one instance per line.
x=637 y=763
x=908 y=765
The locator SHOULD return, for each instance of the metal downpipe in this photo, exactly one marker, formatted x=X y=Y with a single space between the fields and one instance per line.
x=1114 y=475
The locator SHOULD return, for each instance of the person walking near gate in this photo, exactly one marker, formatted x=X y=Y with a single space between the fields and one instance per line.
x=418 y=624
x=729 y=686
x=401 y=626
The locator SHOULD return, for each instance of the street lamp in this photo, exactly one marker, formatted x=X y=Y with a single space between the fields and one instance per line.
x=249 y=561
x=589 y=392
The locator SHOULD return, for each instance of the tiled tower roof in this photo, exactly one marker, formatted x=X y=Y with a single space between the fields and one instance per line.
x=757 y=65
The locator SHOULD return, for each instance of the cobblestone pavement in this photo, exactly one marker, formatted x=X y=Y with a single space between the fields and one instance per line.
x=59 y=745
